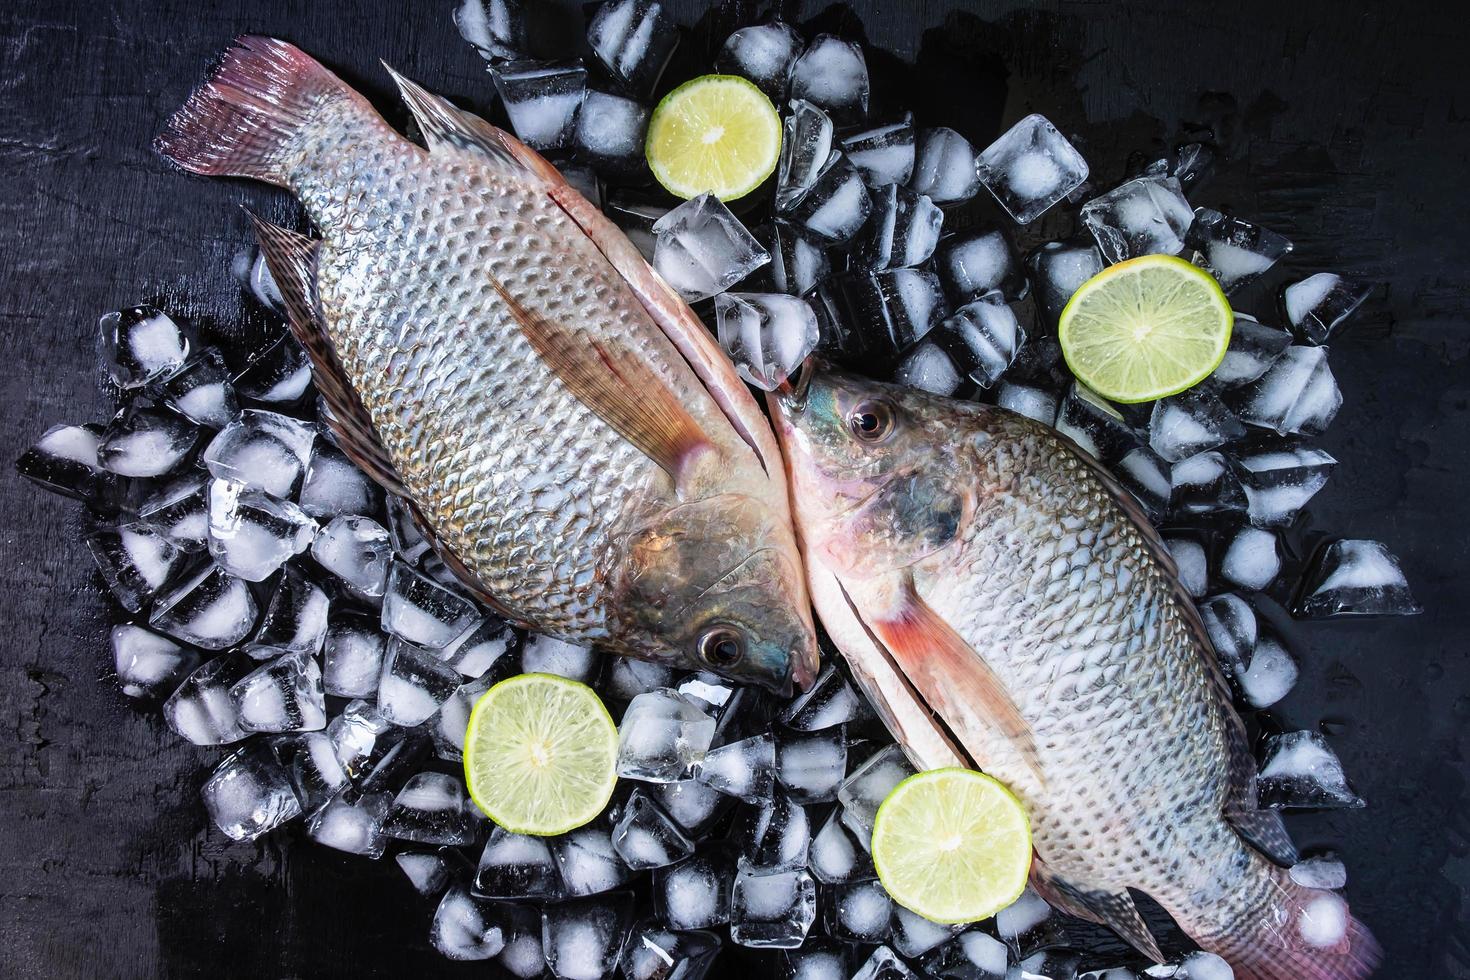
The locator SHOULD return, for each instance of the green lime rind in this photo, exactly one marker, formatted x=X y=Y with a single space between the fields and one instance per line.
x=717 y=134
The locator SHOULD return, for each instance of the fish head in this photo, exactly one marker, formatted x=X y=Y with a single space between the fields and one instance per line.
x=716 y=584
x=873 y=472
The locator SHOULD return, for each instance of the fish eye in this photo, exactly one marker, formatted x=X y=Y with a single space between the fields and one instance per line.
x=722 y=646
x=871 y=421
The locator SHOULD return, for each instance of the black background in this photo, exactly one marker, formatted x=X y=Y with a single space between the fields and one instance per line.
x=1348 y=129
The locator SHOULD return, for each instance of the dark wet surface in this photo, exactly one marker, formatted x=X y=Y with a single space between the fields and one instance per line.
x=1347 y=127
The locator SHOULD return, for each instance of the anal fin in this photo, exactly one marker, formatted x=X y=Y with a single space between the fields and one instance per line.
x=1116 y=910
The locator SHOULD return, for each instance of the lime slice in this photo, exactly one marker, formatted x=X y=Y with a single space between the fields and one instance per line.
x=952 y=845
x=540 y=753
x=717 y=134
x=1145 y=329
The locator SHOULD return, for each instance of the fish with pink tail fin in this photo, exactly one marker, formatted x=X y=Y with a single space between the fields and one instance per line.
x=1005 y=605
x=567 y=432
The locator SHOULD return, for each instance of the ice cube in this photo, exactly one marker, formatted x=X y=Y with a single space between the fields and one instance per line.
x=1030 y=168
x=1094 y=425
x=805 y=149
x=626 y=678
x=1145 y=474
x=1318 y=306
x=836 y=204
x=201 y=710
x=422 y=612
x=767 y=335
x=413 y=684
x=136 y=561
x=883 y=154
x=1144 y=216
x=656 y=953
x=744 y=768
x=818 y=959
x=691 y=804
x=284 y=695
x=973 y=955
x=762 y=53
x=633 y=40
x=352 y=823
x=927 y=367
x=497 y=28
x=353 y=655
x=251 y=534
x=829 y=702
x=1051 y=964
x=870 y=783
x=141 y=345
x=316 y=772
x=522 y=956
x=1251 y=559
x=179 y=510
x=695 y=893
x=468 y=928
x=541 y=100
x=1278 y=483
x=1355 y=577
x=334 y=486
x=1321 y=871
x=773 y=835
x=702 y=249
x=811 y=765
x=1231 y=624
x=1190 y=423
x=546 y=655
x=902 y=229
x=485 y=645
x=1026 y=400
x=798 y=261
x=1254 y=347
x=663 y=735
x=373 y=751
x=645 y=837
x=296 y=618
x=201 y=390
x=914 y=935
x=356 y=550
x=1058 y=269
x=582 y=940
x=1189 y=556
x=833 y=74
x=1196 y=966
x=263 y=450
x=1028 y=924
x=249 y=794
x=891 y=310
x=427 y=871
x=1297 y=394
x=453 y=719
x=1235 y=252
x=836 y=857
x=1206 y=483
x=972 y=263
x=210 y=609
x=280 y=373
x=884 y=964
x=982 y=338
x=861 y=912
x=772 y=911
x=64 y=461
x=636 y=218
x=588 y=862
x=408 y=540
x=149 y=666
x=610 y=130
x=144 y=441
x=517 y=866
x=1299 y=769
x=1271 y=674
x=944 y=166
x=430 y=809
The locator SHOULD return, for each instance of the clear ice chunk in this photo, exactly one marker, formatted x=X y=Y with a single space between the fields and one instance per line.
x=547 y=655
x=484 y=646
x=422 y=612
x=201 y=710
x=702 y=249
x=357 y=550
x=944 y=167
x=636 y=218
x=522 y=956
x=773 y=835
x=1235 y=252
x=1144 y=216
x=201 y=391
x=633 y=40
x=767 y=335
x=772 y=911
x=1251 y=560
x=927 y=367
x=835 y=857
x=645 y=837
x=1191 y=422
x=982 y=338
x=891 y=310
x=413 y=684
x=1194 y=567
x=64 y=461
x=1058 y=269
x=427 y=871
x=453 y=719
x=1254 y=347
x=1030 y=168
x=1231 y=624
x=143 y=441
x=829 y=702
x=1094 y=425
x=663 y=735
x=136 y=561
x=656 y=953
x=1028 y=924
x=1300 y=770
x=541 y=100
x=861 y=912
x=914 y=935
x=335 y=486
x=1296 y=395
x=972 y=955
x=316 y=772
x=1198 y=965
x=762 y=53
x=1318 y=306
x=833 y=74
x=818 y=959
x=582 y=940
x=692 y=805
x=250 y=794
x=210 y=609
x=517 y=866
x=179 y=510
x=1032 y=402
x=626 y=678
x=695 y=893
x=141 y=345
x=373 y=751
x=281 y=373
x=805 y=149
x=811 y=766
x=588 y=862
x=884 y=964
x=1278 y=483
x=1051 y=964
x=883 y=154
x=431 y=809
x=1321 y=871
x=836 y=205
x=352 y=656
x=870 y=783
x=284 y=695
x=263 y=450
x=1206 y=483
x=497 y=28
x=296 y=617
x=251 y=534
x=902 y=230
x=798 y=261
x=744 y=768
x=1355 y=577
x=468 y=928
x=351 y=823
x=409 y=542
x=149 y=667
x=1271 y=674
x=610 y=131
x=972 y=263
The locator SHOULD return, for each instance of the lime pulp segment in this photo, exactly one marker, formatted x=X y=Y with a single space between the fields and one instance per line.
x=716 y=134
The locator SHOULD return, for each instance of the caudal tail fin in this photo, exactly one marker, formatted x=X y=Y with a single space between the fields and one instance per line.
x=256 y=105
x=1301 y=934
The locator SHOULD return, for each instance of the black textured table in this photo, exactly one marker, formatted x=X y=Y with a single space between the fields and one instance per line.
x=1348 y=128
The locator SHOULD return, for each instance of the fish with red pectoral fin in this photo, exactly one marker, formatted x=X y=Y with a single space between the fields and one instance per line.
x=493 y=350
x=1005 y=606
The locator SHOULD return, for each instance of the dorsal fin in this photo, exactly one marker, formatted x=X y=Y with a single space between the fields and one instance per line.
x=445 y=124
x=291 y=259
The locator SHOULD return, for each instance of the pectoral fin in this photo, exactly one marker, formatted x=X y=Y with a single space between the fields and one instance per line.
x=949 y=673
x=1115 y=910
x=619 y=387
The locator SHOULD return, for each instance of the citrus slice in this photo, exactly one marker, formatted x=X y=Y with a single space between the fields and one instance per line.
x=717 y=134
x=1146 y=328
x=952 y=845
x=540 y=754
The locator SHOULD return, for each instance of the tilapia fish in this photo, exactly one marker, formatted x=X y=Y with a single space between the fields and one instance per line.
x=1001 y=601
x=493 y=350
